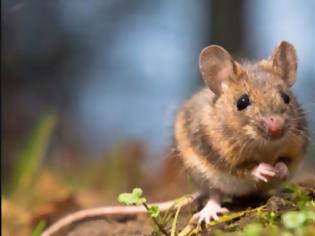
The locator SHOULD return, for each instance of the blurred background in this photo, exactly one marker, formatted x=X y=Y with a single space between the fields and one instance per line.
x=92 y=87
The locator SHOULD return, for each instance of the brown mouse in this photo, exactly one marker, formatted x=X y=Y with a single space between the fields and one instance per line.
x=245 y=132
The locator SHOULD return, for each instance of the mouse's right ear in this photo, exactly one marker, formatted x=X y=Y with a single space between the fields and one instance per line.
x=216 y=66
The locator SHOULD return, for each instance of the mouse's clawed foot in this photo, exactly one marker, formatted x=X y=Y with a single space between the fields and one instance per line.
x=283 y=170
x=212 y=210
x=264 y=172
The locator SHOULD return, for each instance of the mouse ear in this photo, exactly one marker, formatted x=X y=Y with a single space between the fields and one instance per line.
x=284 y=62
x=216 y=66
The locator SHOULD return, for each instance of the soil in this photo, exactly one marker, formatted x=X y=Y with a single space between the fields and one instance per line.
x=142 y=225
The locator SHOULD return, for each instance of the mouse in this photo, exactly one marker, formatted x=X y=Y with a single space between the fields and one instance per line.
x=243 y=133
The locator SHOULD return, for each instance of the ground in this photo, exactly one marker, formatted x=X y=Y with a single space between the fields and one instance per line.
x=251 y=216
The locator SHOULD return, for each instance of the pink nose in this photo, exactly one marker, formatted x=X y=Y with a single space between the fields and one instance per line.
x=274 y=125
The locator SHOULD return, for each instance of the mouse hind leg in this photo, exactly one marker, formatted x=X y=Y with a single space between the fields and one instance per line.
x=213 y=208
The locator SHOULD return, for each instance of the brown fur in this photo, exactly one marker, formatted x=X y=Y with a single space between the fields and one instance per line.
x=211 y=135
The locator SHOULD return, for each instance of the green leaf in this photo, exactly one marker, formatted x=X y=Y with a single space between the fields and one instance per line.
x=286 y=233
x=294 y=219
x=133 y=198
x=173 y=231
x=29 y=161
x=253 y=229
x=301 y=196
x=39 y=228
x=154 y=211
x=310 y=215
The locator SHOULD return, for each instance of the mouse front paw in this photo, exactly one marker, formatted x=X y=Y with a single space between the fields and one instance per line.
x=211 y=212
x=282 y=170
x=264 y=172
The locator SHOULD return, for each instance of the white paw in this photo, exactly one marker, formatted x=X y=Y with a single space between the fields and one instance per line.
x=264 y=172
x=211 y=211
x=283 y=170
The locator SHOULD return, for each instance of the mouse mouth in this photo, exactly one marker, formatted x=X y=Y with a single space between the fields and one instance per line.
x=272 y=127
x=271 y=135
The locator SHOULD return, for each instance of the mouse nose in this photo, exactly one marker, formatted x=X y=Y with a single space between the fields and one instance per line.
x=274 y=125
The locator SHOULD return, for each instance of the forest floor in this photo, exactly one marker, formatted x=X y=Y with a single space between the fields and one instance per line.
x=288 y=212
x=41 y=192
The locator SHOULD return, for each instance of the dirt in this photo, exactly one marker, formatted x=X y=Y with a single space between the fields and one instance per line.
x=103 y=227
x=142 y=225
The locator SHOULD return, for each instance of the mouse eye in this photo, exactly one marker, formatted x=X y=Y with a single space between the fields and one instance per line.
x=243 y=102
x=285 y=97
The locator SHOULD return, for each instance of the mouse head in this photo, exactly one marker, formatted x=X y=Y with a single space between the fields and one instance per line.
x=253 y=99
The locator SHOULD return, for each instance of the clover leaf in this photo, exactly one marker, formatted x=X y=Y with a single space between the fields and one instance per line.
x=133 y=198
x=294 y=219
x=154 y=211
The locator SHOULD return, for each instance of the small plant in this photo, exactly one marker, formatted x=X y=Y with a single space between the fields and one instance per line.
x=298 y=219
x=301 y=196
x=38 y=230
x=30 y=159
x=253 y=229
x=133 y=198
x=136 y=198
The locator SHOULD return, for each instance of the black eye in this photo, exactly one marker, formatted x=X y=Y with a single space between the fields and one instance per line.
x=285 y=97
x=243 y=102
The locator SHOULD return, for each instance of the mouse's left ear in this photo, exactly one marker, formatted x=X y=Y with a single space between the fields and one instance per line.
x=284 y=62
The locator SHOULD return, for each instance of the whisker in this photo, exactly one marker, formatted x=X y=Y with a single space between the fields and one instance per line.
x=301 y=113
x=306 y=109
x=299 y=117
x=246 y=146
x=308 y=104
x=302 y=130
x=302 y=133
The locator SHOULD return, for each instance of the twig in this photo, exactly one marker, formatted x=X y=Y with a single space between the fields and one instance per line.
x=192 y=228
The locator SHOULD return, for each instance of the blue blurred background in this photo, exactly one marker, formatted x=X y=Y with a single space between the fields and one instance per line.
x=116 y=71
